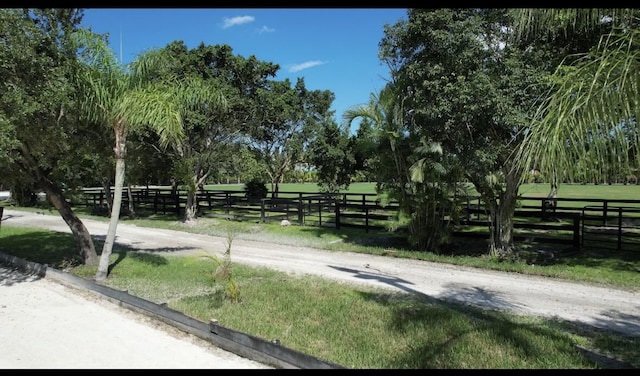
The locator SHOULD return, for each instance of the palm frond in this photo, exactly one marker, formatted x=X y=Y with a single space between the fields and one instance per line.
x=553 y=21
x=592 y=110
x=152 y=107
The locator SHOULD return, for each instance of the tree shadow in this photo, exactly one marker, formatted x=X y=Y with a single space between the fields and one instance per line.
x=457 y=293
x=488 y=314
x=150 y=256
x=55 y=249
x=58 y=249
x=356 y=236
x=618 y=260
x=11 y=275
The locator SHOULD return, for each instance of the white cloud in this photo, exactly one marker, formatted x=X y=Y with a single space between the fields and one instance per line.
x=305 y=65
x=266 y=29
x=239 y=20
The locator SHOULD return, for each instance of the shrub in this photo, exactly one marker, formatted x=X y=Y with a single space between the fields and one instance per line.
x=255 y=189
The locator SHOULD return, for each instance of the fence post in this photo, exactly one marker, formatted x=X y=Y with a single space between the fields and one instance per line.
x=604 y=213
x=619 y=228
x=300 y=211
x=155 y=203
x=1 y=214
x=262 y=214
x=177 y=198
x=576 y=231
x=287 y=210
x=337 y=203
x=366 y=219
x=320 y=211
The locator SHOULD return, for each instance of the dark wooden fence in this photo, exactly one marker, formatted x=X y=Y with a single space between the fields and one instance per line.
x=575 y=221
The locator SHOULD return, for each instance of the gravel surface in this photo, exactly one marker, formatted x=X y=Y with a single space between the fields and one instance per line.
x=48 y=325
x=602 y=307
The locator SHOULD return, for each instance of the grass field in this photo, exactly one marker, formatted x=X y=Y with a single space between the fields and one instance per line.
x=299 y=187
x=601 y=191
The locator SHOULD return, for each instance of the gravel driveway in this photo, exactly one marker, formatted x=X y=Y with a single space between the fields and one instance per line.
x=45 y=324
x=598 y=306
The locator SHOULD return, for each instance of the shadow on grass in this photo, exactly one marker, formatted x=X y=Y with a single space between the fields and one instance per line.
x=618 y=260
x=519 y=344
x=373 y=238
x=487 y=317
x=58 y=249
x=534 y=252
x=513 y=344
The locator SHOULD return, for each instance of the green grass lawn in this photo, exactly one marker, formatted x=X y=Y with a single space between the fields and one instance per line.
x=614 y=191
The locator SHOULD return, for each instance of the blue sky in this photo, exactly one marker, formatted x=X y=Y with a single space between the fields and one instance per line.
x=333 y=49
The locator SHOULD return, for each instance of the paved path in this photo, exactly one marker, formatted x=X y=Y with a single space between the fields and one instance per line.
x=599 y=306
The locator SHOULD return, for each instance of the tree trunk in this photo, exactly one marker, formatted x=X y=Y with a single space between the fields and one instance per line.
x=120 y=151
x=501 y=236
x=132 y=209
x=106 y=186
x=501 y=217
x=81 y=236
x=191 y=207
x=174 y=186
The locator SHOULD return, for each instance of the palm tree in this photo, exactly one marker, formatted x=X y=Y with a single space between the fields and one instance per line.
x=385 y=113
x=594 y=98
x=195 y=95
x=420 y=178
x=122 y=99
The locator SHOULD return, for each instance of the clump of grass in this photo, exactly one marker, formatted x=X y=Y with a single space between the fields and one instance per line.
x=224 y=269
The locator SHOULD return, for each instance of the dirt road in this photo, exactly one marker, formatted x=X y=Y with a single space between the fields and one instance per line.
x=593 y=305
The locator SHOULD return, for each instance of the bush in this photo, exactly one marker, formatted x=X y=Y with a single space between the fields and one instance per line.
x=255 y=189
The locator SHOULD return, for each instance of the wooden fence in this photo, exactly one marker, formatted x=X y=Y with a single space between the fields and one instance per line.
x=576 y=221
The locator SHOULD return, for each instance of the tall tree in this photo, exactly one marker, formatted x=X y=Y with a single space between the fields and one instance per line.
x=409 y=170
x=121 y=98
x=227 y=84
x=285 y=116
x=41 y=139
x=332 y=153
x=467 y=86
x=591 y=110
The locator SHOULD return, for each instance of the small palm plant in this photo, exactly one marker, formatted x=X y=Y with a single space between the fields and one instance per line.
x=224 y=268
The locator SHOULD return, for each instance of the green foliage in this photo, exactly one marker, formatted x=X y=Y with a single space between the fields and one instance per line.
x=333 y=156
x=460 y=81
x=587 y=121
x=39 y=130
x=224 y=269
x=255 y=189
x=285 y=118
x=410 y=170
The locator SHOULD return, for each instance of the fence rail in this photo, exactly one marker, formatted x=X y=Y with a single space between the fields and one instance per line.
x=575 y=221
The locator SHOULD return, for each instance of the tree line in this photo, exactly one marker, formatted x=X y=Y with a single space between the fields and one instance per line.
x=477 y=96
